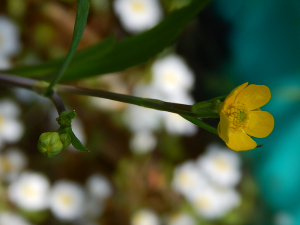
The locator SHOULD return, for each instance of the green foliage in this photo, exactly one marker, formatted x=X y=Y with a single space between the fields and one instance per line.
x=108 y=57
x=75 y=141
x=81 y=18
x=67 y=135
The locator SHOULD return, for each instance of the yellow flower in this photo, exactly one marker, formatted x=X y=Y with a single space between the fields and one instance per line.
x=241 y=117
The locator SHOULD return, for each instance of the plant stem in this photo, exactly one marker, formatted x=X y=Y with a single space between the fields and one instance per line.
x=59 y=105
x=32 y=84
x=144 y=102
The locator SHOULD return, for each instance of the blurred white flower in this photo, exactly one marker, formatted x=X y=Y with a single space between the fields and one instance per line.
x=171 y=75
x=78 y=129
x=139 y=118
x=188 y=177
x=112 y=83
x=283 y=218
x=144 y=217
x=11 y=129
x=27 y=96
x=10 y=44
x=67 y=200
x=30 y=191
x=142 y=142
x=181 y=219
x=7 y=218
x=177 y=125
x=4 y=63
x=12 y=162
x=99 y=187
x=138 y=15
x=212 y=202
x=221 y=165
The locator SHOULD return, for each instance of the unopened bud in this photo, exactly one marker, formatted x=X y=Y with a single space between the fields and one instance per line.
x=49 y=144
x=65 y=118
x=65 y=140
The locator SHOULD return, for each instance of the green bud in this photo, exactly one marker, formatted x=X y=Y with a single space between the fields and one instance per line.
x=49 y=144
x=72 y=114
x=65 y=118
x=65 y=140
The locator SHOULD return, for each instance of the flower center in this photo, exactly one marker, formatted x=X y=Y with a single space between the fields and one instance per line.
x=221 y=164
x=29 y=191
x=185 y=179
x=137 y=6
x=170 y=78
x=66 y=200
x=238 y=116
x=203 y=202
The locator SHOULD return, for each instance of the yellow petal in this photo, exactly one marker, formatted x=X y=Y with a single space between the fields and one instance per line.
x=254 y=96
x=240 y=141
x=260 y=124
x=223 y=126
x=232 y=95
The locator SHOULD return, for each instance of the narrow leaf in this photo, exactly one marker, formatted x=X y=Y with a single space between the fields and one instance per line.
x=76 y=142
x=81 y=18
x=127 y=53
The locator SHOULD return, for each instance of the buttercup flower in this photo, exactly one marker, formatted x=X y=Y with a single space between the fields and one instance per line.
x=241 y=117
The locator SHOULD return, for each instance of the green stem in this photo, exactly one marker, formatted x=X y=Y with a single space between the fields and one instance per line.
x=144 y=102
x=184 y=110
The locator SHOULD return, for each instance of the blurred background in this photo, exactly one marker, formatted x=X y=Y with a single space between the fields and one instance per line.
x=148 y=167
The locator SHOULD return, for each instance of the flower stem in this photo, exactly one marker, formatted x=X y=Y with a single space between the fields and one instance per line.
x=144 y=102
x=59 y=105
x=39 y=87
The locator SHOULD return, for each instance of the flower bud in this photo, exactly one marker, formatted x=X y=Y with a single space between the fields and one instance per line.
x=65 y=118
x=65 y=140
x=49 y=144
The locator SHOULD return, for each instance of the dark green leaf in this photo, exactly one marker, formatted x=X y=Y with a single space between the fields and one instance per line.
x=81 y=18
x=127 y=53
x=75 y=141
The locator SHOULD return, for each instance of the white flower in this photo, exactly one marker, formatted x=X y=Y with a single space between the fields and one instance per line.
x=188 y=177
x=30 y=191
x=4 y=63
x=181 y=219
x=221 y=165
x=144 y=217
x=11 y=129
x=212 y=202
x=12 y=162
x=67 y=200
x=139 y=118
x=78 y=130
x=112 y=83
x=283 y=218
x=9 y=38
x=99 y=187
x=7 y=218
x=171 y=75
x=142 y=142
x=177 y=125
x=138 y=15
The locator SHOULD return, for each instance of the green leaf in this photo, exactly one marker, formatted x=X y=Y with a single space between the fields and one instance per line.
x=75 y=141
x=124 y=54
x=49 y=67
x=81 y=18
x=200 y=123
